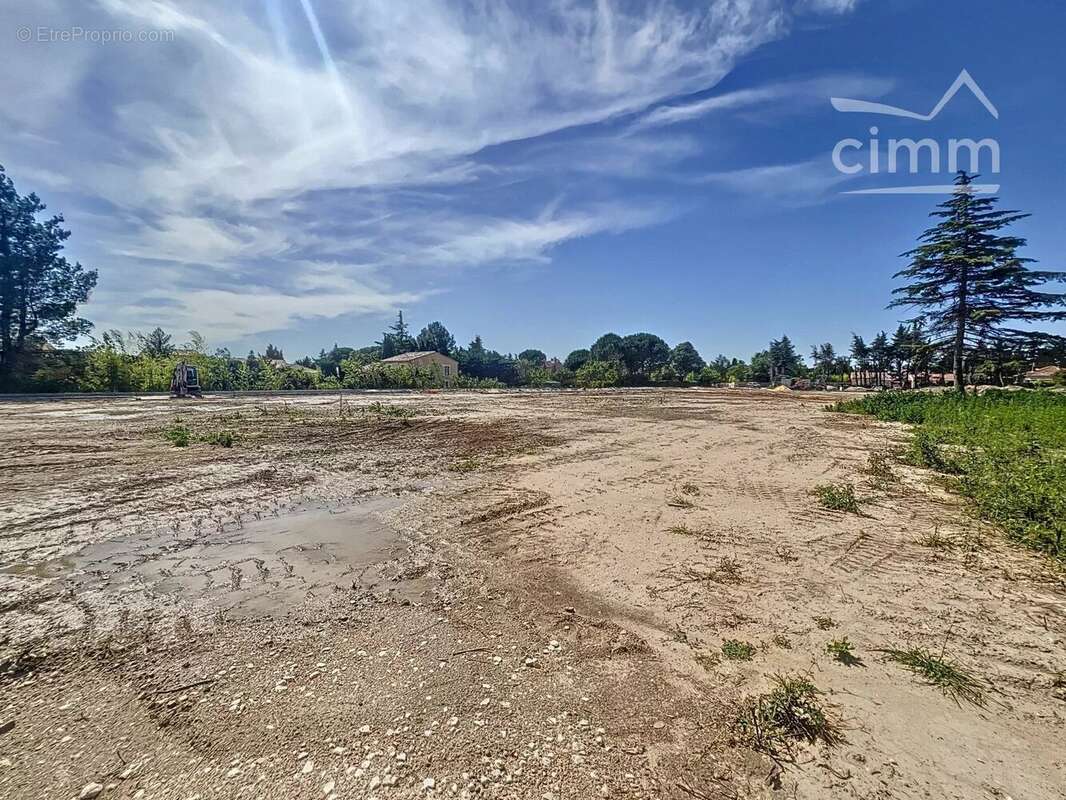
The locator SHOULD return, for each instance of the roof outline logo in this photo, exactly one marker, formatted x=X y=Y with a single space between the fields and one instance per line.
x=849 y=105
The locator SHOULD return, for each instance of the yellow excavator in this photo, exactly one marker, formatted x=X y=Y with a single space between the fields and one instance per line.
x=185 y=382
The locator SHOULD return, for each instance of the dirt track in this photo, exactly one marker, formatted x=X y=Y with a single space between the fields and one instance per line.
x=502 y=595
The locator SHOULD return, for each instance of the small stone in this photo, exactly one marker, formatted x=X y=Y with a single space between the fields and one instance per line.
x=90 y=790
x=327 y=787
x=308 y=766
x=428 y=784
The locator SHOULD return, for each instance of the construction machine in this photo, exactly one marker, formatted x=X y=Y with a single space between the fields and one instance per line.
x=185 y=382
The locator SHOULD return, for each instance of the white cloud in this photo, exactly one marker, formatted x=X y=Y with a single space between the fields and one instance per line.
x=799 y=183
x=313 y=153
x=828 y=6
x=789 y=96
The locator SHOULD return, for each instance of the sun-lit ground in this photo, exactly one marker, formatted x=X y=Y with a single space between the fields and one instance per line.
x=505 y=594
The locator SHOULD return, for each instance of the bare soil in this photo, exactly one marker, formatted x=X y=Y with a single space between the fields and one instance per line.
x=513 y=595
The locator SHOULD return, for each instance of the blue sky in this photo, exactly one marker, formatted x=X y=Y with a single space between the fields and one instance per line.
x=294 y=171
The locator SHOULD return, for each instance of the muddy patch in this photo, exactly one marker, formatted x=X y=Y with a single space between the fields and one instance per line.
x=264 y=567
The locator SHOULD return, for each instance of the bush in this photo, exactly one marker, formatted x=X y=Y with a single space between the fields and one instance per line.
x=708 y=376
x=598 y=374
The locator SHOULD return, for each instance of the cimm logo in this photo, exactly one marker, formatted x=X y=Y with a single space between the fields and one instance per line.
x=907 y=155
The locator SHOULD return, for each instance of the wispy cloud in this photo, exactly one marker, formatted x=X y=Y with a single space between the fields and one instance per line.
x=799 y=183
x=321 y=158
x=780 y=97
x=828 y=6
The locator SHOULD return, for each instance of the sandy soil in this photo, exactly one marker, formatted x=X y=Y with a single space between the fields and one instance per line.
x=514 y=595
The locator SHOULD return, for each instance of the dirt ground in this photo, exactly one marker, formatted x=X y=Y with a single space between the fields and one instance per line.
x=506 y=595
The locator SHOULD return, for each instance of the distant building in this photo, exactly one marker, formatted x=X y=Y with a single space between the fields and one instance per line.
x=427 y=359
x=1043 y=374
x=281 y=363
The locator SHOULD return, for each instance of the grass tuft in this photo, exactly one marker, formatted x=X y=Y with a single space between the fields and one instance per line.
x=683 y=530
x=936 y=540
x=221 y=438
x=384 y=410
x=790 y=712
x=952 y=679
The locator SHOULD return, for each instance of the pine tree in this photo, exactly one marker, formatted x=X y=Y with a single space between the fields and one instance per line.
x=783 y=358
x=824 y=358
x=397 y=339
x=880 y=355
x=967 y=280
x=157 y=344
x=39 y=289
x=860 y=356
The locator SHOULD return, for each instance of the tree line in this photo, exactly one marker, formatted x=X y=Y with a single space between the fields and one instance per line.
x=965 y=281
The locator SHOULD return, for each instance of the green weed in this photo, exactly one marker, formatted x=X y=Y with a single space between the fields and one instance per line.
x=843 y=651
x=220 y=438
x=383 y=410
x=736 y=650
x=878 y=466
x=838 y=497
x=952 y=679
x=178 y=435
